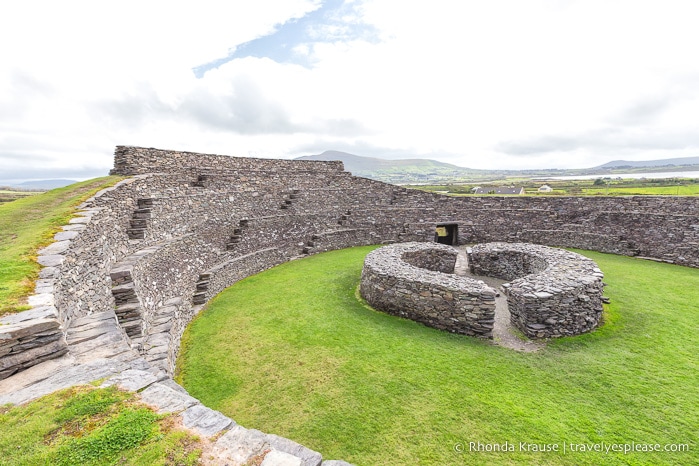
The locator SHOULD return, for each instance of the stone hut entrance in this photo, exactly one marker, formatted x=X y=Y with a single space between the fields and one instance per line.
x=447 y=233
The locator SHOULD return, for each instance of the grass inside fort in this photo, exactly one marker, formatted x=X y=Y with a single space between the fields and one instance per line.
x=292 y=351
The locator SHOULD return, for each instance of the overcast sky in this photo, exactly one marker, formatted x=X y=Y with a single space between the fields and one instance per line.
x=482 y=84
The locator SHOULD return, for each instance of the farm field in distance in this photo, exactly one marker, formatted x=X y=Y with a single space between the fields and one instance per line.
x=603 y=186
x=8 y=194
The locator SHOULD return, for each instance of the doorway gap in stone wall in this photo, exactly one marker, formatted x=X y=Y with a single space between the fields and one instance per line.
x=447 y=233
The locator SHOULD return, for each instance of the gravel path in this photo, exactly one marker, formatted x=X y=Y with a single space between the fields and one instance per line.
x=504 y=333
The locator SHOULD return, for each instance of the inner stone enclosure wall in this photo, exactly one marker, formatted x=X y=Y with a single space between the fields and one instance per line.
x=415 y=281
x=184 y=226
x=553 y=292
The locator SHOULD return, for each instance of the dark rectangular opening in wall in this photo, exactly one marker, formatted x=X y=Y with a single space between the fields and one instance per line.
x=447 y=233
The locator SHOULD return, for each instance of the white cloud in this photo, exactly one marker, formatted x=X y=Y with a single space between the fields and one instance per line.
x=501 y=84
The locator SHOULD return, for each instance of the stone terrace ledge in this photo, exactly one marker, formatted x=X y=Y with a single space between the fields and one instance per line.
x=553 y=292
x=416 y=281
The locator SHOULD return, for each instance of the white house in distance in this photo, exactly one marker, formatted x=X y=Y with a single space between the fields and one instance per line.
x=545 y=189
x=511 y=190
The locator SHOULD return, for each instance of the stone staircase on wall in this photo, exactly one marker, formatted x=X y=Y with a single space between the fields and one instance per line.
x=289 y=198
x=235 y=238
x=201 y=181
x=157 y=347
x=202 y=287
x=140 y=219
x=128 y=308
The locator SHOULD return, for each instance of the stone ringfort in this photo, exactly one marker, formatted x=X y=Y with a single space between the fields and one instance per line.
x=140 y=259
x=553 y=292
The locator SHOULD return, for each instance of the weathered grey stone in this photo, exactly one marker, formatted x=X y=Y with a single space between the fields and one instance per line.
x=428 y=295
x=44 y=299
x=48 y=272
x=165 y=399
x=65 y=377
x=51 y=261
x=37 y=313
x=55 y=248
x=308 y=457
x=553 y=292
x=73 y=227
x=238 y=446
x=25 y=328
x=65 y=235
x=280 y=458
x=335 y=463
x=131 y=380
x=205 y=421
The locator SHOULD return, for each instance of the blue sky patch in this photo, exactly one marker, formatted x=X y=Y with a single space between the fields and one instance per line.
x=294 y=40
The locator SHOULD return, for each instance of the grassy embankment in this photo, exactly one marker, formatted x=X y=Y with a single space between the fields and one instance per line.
x=28 y=224
x=89 y=426
x=82 y=425
x=293 y=352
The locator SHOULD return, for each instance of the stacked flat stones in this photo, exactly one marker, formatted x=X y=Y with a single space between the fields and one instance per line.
x=416 y=281
x=553 y=292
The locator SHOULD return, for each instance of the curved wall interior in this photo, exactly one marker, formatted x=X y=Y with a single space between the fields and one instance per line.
x=416 y=281
x=142 y=257
x=552 y=292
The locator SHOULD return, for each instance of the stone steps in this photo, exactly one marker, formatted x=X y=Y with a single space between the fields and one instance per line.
x=289 y=199
x=140 y=219
x=235 y=238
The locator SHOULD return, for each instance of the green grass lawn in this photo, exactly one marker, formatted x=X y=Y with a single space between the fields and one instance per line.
x=683 y=190
x=292 y=351
x=89 y=426
x=28 y=224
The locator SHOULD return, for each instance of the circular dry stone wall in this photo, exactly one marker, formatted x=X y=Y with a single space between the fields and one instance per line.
x=416 y=281
x=552 y=292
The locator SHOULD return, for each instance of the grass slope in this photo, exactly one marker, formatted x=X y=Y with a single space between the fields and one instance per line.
x=88 y=426
x=292 y=351
x=29 y=224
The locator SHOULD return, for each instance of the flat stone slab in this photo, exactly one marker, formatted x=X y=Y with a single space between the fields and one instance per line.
x=78 y=336
x=42 y=299
x=65 y=377
x=73 y=227
x=51 y=260
x=308 y=457
x=32 y=356
x=205 y=421
x=65 y=235
x=25 y=328
x=279 y=458
x=97 y=316
x=48 y=272
x=238 y=446
x=167 y=400
x=132 y=380
x=37 y=313
x=55 y=248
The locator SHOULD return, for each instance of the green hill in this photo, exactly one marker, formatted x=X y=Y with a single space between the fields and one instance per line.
x=397 y=171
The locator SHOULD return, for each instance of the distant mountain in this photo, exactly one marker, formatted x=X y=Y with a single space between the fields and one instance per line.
x=427 y=171
x=44 y=184
x=681 y=161
x=394 y=171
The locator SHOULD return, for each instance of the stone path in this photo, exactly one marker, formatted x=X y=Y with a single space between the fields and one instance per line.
x=504 y=333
